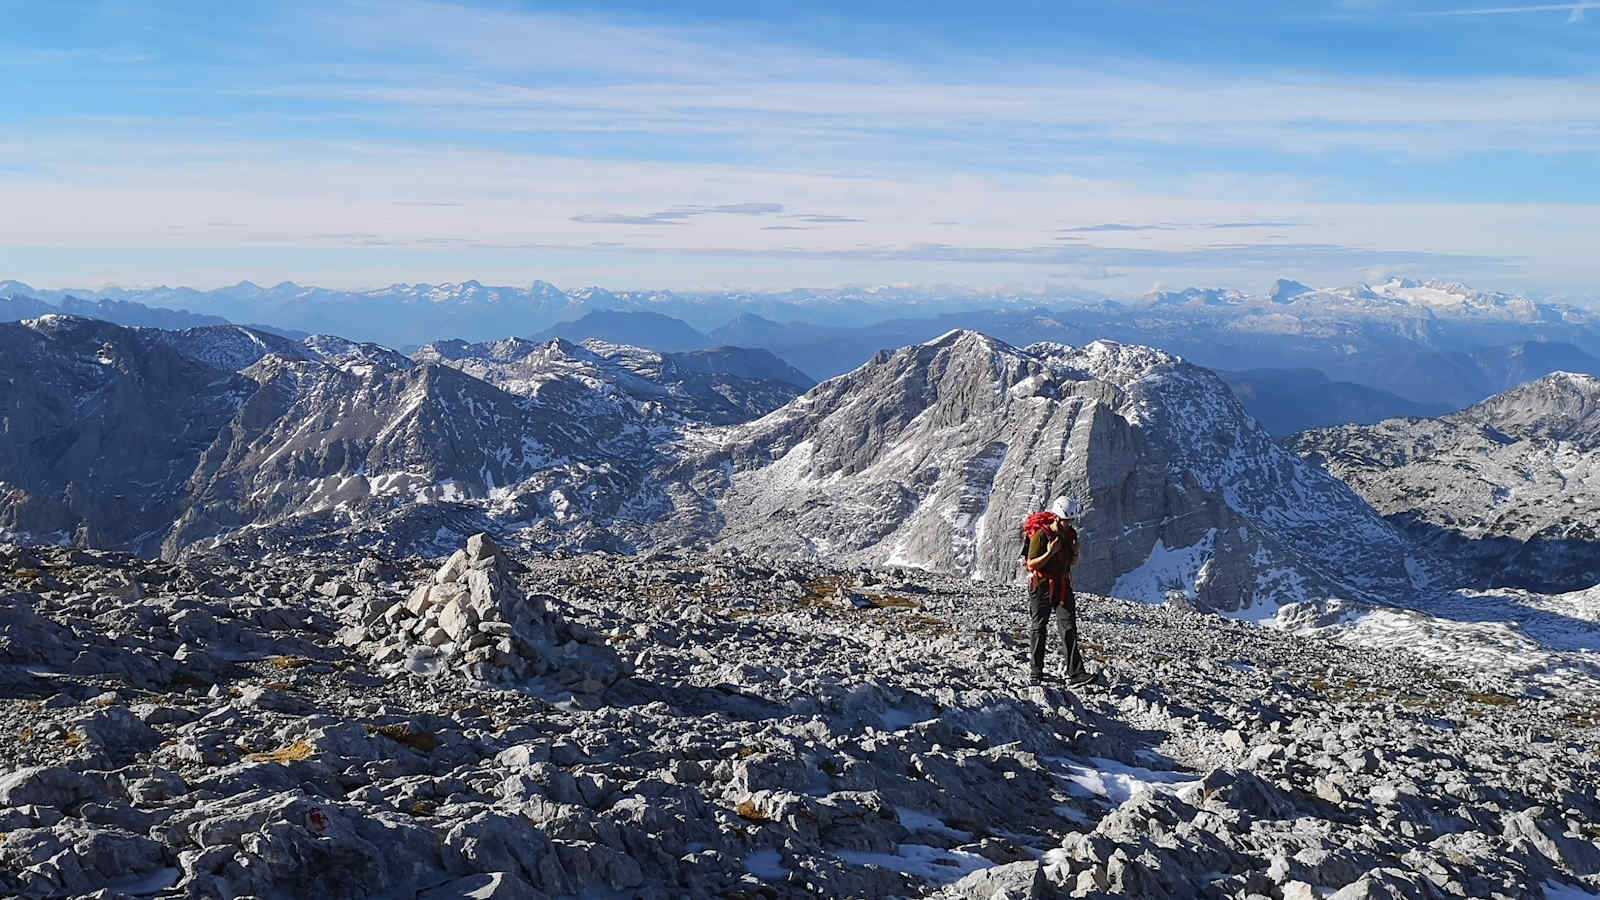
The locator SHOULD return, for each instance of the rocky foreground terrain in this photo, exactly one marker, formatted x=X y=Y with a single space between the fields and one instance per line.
x=694 y=724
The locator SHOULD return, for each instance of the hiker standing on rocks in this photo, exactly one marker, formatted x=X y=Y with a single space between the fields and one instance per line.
x=1050 y=548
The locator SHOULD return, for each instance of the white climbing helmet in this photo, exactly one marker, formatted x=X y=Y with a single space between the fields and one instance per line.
x=1067 y=507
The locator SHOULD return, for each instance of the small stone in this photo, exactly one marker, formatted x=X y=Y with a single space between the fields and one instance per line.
x=452 y=569
x=1299 y=890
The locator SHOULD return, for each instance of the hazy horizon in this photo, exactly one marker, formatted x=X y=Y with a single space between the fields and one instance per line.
x=1047 y=293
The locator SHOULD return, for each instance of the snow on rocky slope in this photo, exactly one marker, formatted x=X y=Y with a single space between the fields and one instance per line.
x=720 y=386
x=932 y=455
x=781 y=729
x=928 y=456
x=1509 y=487
x=230 y=434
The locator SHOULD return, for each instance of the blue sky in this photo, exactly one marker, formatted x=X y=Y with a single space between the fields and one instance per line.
x=1098 y=148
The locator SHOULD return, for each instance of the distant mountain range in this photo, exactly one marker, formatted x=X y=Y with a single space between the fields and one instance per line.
x=412 y=314
x=1299 y=357
x=16 y=307
x=650 y=330
x=1289 y=318
x=1457 y=378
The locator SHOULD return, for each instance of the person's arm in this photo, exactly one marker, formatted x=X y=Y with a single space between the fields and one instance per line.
x=1050 y=551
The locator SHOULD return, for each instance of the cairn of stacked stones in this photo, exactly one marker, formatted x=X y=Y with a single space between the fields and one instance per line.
x=472 y=617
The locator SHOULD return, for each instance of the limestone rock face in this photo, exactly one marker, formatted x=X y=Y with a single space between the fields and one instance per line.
x=230 y=440
x=101 y=429
x=932 y=457
x=721 y=386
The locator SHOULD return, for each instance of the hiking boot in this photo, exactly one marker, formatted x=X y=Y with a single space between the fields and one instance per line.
x=1080 y=678
x=1036 y=679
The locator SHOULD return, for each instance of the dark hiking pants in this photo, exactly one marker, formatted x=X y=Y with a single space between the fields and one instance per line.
x=1066 y=616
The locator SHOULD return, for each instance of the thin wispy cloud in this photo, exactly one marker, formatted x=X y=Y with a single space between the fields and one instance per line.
x=742 y=209
x=1255 y=225
x=1262 y=257
x=619 y=219
x=1574 y=10
x=676 y=215
x=1114 y=226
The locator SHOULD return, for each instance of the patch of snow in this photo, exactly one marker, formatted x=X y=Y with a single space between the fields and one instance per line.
x=917 y=820
x=897 y=718
x=1117 y=781
x=154 y=882
x=921 y=861
x=1074 y=814
x=1165 y=569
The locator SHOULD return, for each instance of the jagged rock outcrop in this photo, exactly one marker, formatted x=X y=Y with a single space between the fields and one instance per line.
x=1509 y=488
x=178 y=442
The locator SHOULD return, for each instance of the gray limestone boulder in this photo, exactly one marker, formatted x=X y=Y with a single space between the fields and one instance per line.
x=1012 y=881
x=1578 y=856
x=1389 y=884
x=53 y=786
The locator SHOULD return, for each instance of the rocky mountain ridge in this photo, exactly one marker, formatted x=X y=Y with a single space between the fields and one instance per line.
x=932 y=455
x=928 y=456
x=318 y=435
x=719 y=386
x=1510 y=486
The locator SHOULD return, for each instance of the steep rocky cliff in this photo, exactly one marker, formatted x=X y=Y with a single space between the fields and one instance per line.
x=101 y=429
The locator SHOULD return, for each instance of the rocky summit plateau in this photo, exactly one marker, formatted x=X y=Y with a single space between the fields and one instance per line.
x=725 y=724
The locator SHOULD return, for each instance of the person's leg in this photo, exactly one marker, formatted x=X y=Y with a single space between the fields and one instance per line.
x=1067 y=625
x=1038 y=630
